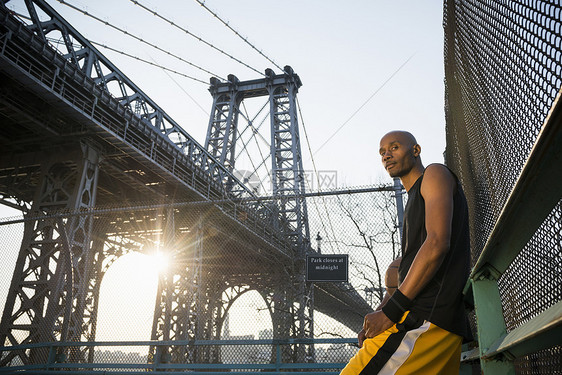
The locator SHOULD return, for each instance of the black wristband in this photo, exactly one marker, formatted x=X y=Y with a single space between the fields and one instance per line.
x=396 y=306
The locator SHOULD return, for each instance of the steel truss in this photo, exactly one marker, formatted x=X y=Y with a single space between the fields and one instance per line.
x=179 y=308
x=55 y=288
x=47 y=26
x=54 y=292
x=221 y=133
x=47 y=296
x=288 y=181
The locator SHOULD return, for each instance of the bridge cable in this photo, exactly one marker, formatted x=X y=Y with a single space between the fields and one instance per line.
x=138 y=38
x=251 y=123
x=253 y=166
x=194 y=36
x=185 y=91
x=247 y=118
x=202 y=3
x=318 y=181
x=148 y=62
x=255 y=130
x=77 y=46
x=245 y=148
x=365 y=102
x=257 y=133
x=165 y=69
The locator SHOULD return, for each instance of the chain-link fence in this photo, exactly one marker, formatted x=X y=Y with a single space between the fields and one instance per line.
x=503 y=63
x=188 y=271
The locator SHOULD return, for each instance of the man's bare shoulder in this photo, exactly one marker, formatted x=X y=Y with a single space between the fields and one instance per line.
x=437 y=177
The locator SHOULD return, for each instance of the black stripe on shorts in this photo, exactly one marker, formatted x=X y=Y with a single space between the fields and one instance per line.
x=390 y=345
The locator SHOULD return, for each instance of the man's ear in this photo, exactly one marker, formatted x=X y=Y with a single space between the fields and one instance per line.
x=417 y=150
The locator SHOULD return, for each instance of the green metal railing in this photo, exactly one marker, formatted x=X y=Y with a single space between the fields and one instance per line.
x=57 y=362
x=537 y=191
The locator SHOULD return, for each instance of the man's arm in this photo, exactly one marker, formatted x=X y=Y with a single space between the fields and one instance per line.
x=391 y=283
x=437 y=189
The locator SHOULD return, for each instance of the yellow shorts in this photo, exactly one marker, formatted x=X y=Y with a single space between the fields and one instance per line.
x=412 y=346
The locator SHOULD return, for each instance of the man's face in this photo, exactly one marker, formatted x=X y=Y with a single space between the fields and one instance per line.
x=398 y=154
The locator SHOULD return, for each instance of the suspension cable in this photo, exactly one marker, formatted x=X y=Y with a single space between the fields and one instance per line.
x=137 y=38
x=251 y=126
x=318 y=181
x=364 y=103
x=253 y=166
x=181 y=87
x=264 y=160
x=247 y=118
x=254 y=136
x=202 y=3
x=194 y=36
x=165 y=69
x=148 y=62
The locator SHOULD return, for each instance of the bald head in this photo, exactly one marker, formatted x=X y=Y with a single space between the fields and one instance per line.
x=400 y=154
x=404 y=137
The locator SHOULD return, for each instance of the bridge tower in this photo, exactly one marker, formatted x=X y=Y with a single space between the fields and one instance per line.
x=47 y=300
x=291 y=300
x=288 y=182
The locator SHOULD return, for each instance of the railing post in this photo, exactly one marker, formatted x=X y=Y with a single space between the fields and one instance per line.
x=490 y=321
x=157 y=357
x=52 y=357
x=277 y=344
x=399 y=203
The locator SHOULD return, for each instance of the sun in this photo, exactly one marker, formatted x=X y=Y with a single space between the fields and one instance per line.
x=160 y=260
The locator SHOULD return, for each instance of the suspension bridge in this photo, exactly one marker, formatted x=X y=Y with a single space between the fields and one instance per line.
x=98 y=170
x=70 y=148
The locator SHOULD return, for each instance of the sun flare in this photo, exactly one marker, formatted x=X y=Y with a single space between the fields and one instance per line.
x=160 y=261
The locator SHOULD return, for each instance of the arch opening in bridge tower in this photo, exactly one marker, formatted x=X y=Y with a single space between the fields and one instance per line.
x=248 y=318
x=127 y=295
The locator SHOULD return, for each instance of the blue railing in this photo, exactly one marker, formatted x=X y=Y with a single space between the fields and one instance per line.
x=57 y=359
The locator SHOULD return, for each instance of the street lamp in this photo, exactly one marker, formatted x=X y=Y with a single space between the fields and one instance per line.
x=318 y=242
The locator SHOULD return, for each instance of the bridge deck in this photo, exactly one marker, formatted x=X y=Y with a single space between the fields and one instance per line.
x=48 y=107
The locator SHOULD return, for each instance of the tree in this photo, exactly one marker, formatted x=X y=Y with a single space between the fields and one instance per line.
x=368 y=230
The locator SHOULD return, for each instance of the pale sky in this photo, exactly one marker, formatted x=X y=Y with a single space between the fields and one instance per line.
x=343 y=51
x=383 y=56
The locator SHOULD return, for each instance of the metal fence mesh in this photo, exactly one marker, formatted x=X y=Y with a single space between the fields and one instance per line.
x=503 y=63
x=133 y=254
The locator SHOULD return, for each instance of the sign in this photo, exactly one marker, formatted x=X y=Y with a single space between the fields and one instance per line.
x=326 y=267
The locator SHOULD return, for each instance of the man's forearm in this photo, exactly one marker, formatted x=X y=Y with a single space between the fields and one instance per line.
x=424 y=267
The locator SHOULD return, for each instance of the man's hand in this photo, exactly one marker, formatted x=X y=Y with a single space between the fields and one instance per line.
x=375 y=323
x=361 y=337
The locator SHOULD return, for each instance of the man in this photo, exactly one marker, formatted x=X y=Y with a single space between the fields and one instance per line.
x=420 y=328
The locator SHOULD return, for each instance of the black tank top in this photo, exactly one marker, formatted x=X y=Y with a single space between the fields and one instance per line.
x=441 y=301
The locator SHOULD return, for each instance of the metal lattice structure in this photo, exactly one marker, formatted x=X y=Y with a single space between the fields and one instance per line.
x=503 y=63
x=78 y=135
x=210 y=276
x=288 y=181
